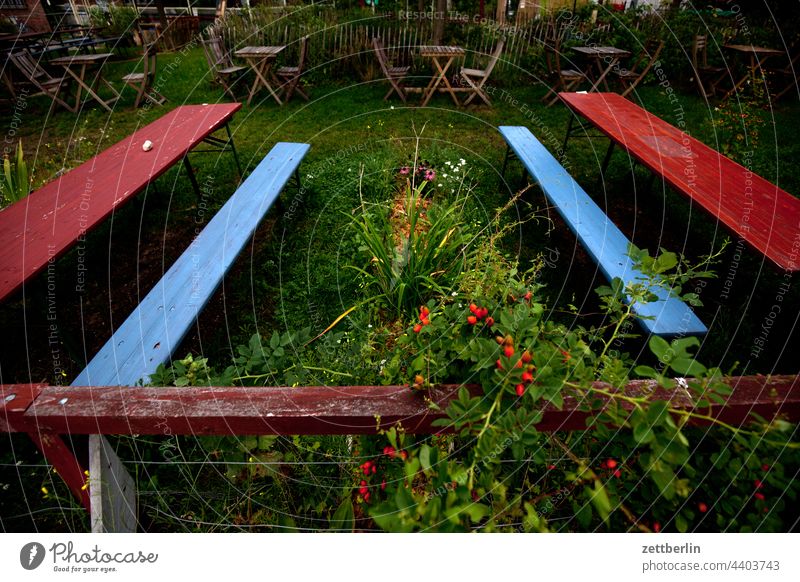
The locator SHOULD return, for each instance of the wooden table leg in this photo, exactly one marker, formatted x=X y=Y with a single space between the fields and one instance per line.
x=81 y=84
x=449 y=87
x=437 y=80
x=261 y=69
x=604 y=74
x=756 y=64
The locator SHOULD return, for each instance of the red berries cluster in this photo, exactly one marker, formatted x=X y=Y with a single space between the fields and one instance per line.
x=523 y=362
x=391 y=452
x=424 y=320
x=611 y=465
x=478 y=313
x=368 y=467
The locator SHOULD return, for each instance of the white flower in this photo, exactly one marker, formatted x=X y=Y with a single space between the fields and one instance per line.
x=462 y=161
x=454 y=293
x=369 y=325
x=444 y=175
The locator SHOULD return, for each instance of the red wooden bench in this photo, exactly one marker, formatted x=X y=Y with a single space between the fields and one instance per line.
x=46 y=413
x=50 y=221
x=763 y=215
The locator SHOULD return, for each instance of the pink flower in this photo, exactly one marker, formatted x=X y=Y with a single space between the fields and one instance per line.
x=404 y=171
x=430 y=175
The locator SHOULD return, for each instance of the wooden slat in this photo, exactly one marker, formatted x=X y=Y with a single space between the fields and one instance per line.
x=601 y=238
x=763 y=215
x=155 y=329
x=344 y=409
x=14 y=401
x=47 y=223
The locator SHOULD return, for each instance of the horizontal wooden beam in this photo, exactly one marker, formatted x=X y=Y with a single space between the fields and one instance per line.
x=324 y=409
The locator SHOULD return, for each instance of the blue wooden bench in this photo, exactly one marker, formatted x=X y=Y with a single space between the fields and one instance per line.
x=155 y=329
x=605 y=243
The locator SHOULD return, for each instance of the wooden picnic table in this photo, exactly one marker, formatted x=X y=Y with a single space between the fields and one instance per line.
x=261 y=59
x=441 y=57
x=758 y=56
x=760 y=213
x=50 y=220
x=78 y=66
x=597 y=55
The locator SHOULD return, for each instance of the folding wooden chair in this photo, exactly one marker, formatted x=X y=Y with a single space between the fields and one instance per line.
x=476 y=78
x=395 y=75
x=223 y=71
x=290 y=76
x=35 y=74
x=561 y=79
x=708 y=78
x=789 y=73
x=630 y=78
x=143 y=82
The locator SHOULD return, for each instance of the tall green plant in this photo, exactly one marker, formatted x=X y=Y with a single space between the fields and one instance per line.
x=15 y=184
x=423 y=257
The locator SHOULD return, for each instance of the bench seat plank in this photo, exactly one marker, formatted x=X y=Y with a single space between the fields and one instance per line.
x=601 y=238
x=155 y=329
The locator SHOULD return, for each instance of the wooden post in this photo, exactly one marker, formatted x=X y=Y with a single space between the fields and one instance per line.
x=112 y=491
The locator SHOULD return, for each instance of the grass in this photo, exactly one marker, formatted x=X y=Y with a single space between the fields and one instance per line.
x=293 y=276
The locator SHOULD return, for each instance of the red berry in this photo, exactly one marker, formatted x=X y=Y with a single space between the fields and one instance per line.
x=617 y=473
x=527 y=377
x=363 y=483
x=418 y=328
x=758 y=484
x=765 y=467
x=366 y=496
x=508 y=351
x=473 y=308
x=425 y=321
x=499 y=364
x=389 y=451
x=702 y=507
x=526 y=356
x=383 y=485
x=472 y=320
x=520 y=389
x=759 y=496
x=528 y=296
x=551 y=467
x=518 y=364
x=482 y=312
x=403 y=455
x=611 y=463
x=656 y=527
x=363 y=490
x=490 y=321
x=374 y=469
x=424 y=311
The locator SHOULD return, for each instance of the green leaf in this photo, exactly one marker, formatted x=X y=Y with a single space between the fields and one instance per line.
x=343 y=519
x=660 y=348
x=476 y=511
x=425 y=457
x=600 y=500
x=642 y=433
x=681 y=524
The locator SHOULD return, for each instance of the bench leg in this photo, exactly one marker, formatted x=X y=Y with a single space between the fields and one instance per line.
x=506 y=159
x=607 y=159
x=569 y=130
x=192 y=178
x=233 y=149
